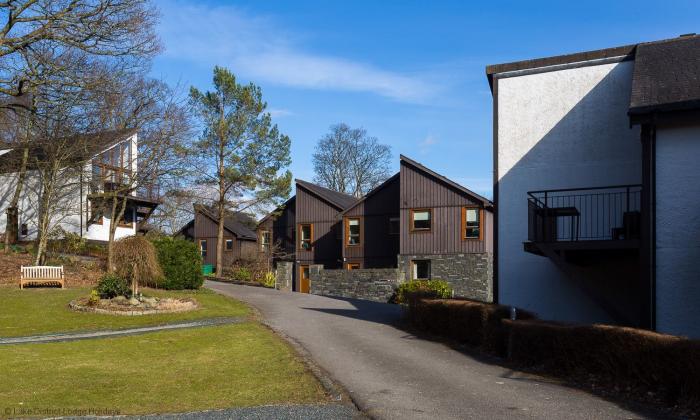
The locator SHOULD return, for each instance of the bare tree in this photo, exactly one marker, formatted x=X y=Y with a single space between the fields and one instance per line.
x=348 y=160
x=45 y=42
x=240 y=152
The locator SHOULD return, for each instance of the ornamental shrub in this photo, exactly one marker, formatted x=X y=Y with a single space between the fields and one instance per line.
x=181 y=263
x=242 y=273
x=423 y=288
x=269 y=280
x=111 y=285
x=136 y=261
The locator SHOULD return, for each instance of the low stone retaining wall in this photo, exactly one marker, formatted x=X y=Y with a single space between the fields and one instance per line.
x=470 y=275
x=377 y=285
x=283 y=274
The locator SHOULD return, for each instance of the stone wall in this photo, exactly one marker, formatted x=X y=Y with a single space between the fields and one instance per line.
x=377 y=285
x=470 y=275
x=283 y=275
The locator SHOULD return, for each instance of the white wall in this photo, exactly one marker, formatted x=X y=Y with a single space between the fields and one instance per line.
x=678 y=230
x=559 y=129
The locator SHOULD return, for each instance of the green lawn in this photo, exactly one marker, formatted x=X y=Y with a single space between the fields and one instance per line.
x=37 y=311
x=173 y=371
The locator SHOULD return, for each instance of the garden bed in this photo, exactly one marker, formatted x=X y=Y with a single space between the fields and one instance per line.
x=134 y=307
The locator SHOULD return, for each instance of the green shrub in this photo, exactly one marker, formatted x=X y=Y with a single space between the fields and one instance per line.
x=242 y=274
x=423 y=288
x=269 y=280
x=180 y=261
x=111 y=285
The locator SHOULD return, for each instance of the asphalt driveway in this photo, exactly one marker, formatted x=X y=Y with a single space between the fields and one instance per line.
x=392 y=374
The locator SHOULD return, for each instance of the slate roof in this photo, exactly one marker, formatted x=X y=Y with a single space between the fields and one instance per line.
x=335 y=198
x=486 y=202
x=666 y=76
x=86 y=146
x=232 y=222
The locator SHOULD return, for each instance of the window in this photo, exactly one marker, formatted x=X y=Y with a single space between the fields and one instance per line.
x=471 y=223
x=229 y=244
x=420 y=269
x=394 y=225
x=353 y=231
x=24 y=230
x=264 y=240
x=421 y=219
x=352 y=266
x=203 y=247
x=306 y=236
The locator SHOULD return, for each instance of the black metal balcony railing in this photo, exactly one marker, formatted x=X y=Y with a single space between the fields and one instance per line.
x=585 y=214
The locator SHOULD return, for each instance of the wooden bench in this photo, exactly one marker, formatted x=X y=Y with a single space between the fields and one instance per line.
x=42 y=275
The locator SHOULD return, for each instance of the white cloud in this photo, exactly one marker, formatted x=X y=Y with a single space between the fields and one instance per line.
x=426 y=144
x=259 y=49
x=279 y=112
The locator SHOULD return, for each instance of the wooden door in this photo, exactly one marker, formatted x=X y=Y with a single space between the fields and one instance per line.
x=304 y=282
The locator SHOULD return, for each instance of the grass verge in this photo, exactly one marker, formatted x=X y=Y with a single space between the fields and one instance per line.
x=163 y=372
x=40 y=311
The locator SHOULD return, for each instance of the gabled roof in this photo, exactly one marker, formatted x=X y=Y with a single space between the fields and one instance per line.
x=277 y=209
x=666 y=76
x=372 y=192
x=337 y=199
x=485 y=201
x=85 y=147
x=231 y=223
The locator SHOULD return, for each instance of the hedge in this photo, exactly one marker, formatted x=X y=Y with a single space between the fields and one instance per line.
x=665 y=364
x=645 y=361
x=181 y=263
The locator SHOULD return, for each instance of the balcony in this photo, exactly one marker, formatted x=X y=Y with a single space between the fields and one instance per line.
x=584 y=219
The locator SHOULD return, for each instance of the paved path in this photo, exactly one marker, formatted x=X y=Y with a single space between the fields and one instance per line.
x=85 y=335
x=392 y=374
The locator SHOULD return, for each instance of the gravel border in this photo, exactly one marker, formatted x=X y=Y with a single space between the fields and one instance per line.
x=86 y=335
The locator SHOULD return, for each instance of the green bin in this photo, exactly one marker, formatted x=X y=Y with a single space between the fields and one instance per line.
x=208 y=269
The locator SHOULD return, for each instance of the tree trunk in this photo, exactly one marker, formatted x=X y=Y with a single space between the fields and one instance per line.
x=11 y=227
x=44 y=217
x=222 y=197
x=115 y=215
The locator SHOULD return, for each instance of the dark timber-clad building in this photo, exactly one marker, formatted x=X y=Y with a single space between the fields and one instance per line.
x=318 y=232
x=371 y=228
x=446 y=232
x=239 y=240
x=276 y=233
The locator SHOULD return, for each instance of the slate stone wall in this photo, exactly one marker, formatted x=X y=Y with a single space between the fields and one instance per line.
x=470 y=275
x=377 y=284
x=284 y=273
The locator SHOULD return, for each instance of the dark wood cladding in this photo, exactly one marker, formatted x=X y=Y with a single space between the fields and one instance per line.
x=420 y=190
x=326 y=242
x=282 y=228
x=207 y=229
x=378 y=248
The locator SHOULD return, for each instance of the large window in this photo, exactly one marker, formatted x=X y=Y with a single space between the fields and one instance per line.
x=394 y=225
x=420 y=269
x=264 y=240
x=353 y=231
x=306 y=236
x=203 y=247
x=421 y=220
x=471 y=223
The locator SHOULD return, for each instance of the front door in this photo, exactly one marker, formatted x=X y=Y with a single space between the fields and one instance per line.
x=304 y=282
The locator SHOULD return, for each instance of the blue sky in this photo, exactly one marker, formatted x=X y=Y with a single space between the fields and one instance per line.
x=410 y=72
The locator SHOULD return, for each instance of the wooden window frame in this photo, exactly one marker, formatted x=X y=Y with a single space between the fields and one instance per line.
x=226 y=241
x=353 y=266
x=347 y=231
x=311 y=240
x=413 y=269
x=260 y=239
x=398 y=224
x=463 y=224
x=410 y=220
x=206 y=251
